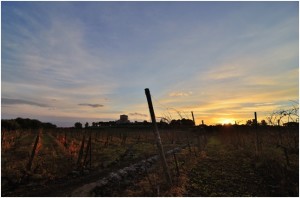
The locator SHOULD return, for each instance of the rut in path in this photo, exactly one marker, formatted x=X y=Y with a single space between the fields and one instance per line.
x=115 y=178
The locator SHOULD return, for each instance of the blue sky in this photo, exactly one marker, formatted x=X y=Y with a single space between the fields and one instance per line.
x=90 y=61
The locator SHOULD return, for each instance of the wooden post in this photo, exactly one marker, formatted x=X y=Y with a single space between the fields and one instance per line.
x=189 y=145
x=256 y=130
x=255 y=119
x=91 y=150
x=286 y=156
x=65 y=143
x=2 y=136
x=87 y=151
x=199 y=144
x=33 y=152
x=193 y=118
x=158 y=139
x=80 y=152
x=176 y=163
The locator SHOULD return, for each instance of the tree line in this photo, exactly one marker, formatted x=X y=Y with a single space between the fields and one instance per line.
x=173 y=123
x=25 y=123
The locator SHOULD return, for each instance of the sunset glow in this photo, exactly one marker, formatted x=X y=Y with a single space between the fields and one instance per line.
x=64 y=62
x=227 y=121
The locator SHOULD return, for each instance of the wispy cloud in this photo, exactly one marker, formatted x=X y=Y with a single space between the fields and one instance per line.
x=178 y=94
x=58 y=54
x=9 y=101
x=91 y=105
x=138 y=114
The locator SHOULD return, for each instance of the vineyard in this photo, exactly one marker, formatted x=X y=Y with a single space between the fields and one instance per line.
x=124 y=161
x=70 y=153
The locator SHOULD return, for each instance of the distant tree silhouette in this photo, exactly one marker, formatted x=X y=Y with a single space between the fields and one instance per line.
x=162 y=124
x=24 y=123
x=94 y=124
x=175 y=123
x=9 y=124
x=28 y=123
x=250 y=122
x=78 y=125
x=187 y=122
x=86 y=125
x=263 y=123
x=182 y=122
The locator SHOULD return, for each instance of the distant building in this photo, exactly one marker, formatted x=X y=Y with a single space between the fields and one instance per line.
x=123 y=119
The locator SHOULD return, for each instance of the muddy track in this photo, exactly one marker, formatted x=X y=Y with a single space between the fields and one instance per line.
x=121 y=177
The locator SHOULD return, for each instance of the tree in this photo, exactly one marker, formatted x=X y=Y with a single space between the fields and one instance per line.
x=263 y=123
x=28 y=123
x=250 y=122
x=187 y=122
x=78 y=125
x=25 y=124
x=175 y=123
x=86 y=125
x=162 y=124
x=285 y=115
x=94 y=124
x=9 y=124
x=183 y=122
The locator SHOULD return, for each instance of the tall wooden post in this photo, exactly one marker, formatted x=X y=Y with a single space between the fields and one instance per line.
x=33 y=152
x=80 y=151
x=255 y=119
x=158 y=139
x=65 y=143
x=257 y=137
x=193 y=118
x=90 y=150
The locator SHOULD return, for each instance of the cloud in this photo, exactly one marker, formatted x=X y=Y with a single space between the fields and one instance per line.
x=214 y=66
x=138 y=114
x=91 y=105
x=9 y=101
x=179 y=94
x=57 y=57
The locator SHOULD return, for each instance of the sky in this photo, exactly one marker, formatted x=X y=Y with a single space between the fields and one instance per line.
x=64 y=62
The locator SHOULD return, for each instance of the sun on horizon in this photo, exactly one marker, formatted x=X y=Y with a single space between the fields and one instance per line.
x=227 y=121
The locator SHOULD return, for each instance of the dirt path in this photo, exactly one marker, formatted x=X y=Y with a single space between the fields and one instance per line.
x=116 y=180
x=67 y=185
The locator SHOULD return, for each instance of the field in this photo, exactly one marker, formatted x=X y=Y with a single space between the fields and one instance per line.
x=123 y=161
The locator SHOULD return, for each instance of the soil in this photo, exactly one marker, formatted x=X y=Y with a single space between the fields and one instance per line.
x=227 y=171
x=66 y=186
x=223 y=170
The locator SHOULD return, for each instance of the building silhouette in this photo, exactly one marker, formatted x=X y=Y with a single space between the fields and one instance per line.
x=123 y=119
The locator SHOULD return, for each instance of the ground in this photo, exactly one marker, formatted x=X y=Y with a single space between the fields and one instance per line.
x=227 y=171
x=224 y=163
